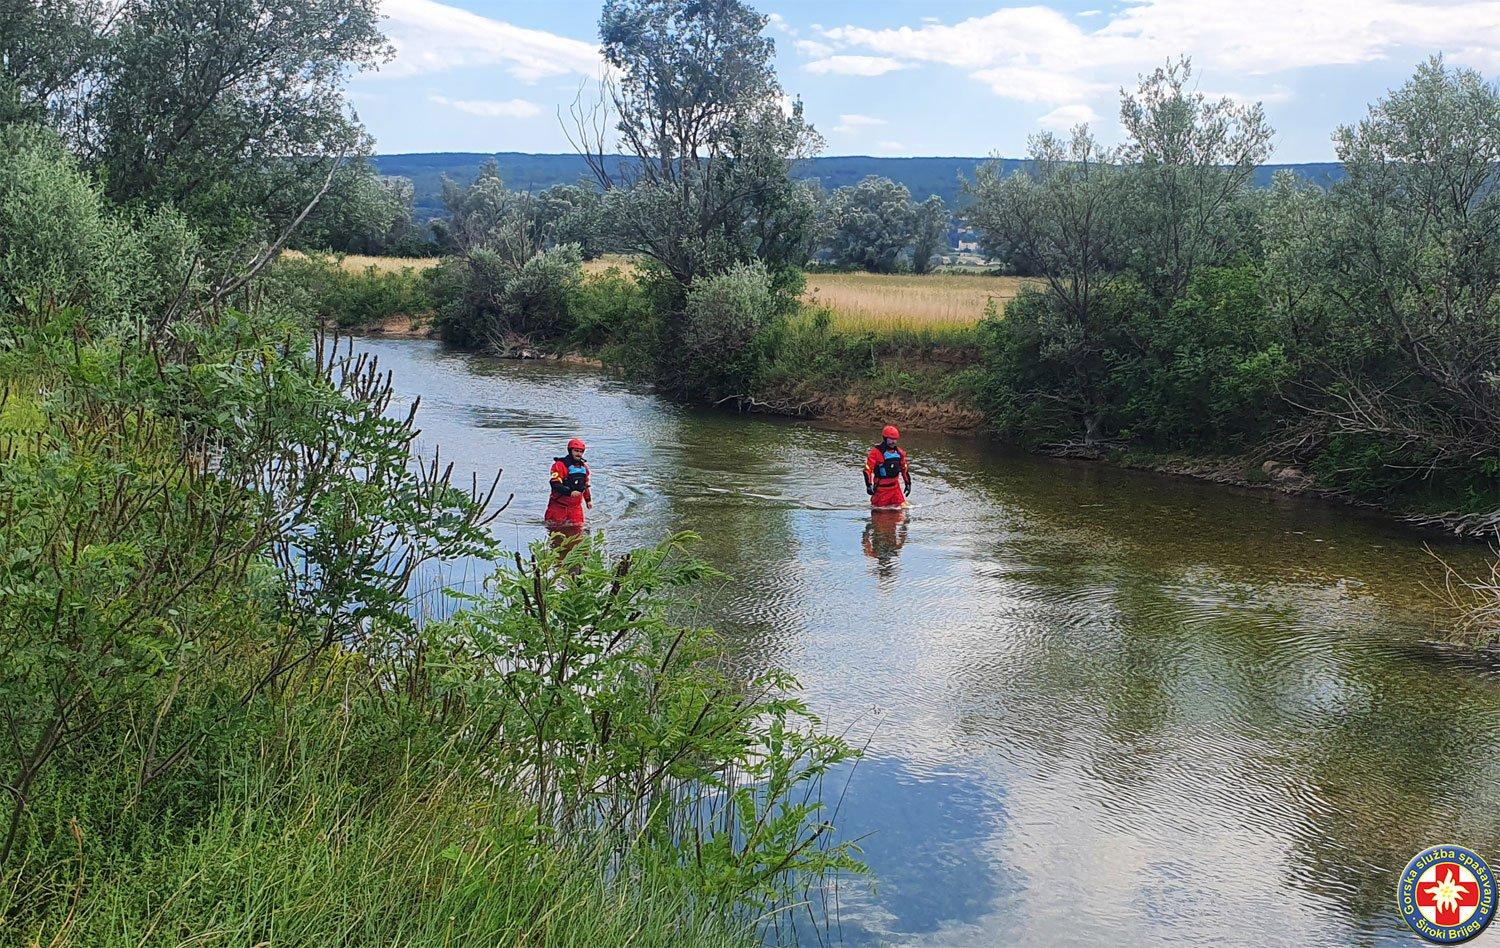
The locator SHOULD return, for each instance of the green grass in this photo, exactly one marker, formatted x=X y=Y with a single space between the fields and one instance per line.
x=298 y=849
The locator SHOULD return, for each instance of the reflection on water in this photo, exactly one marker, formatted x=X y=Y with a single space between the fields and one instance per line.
x=1111 y=707
x=885 y=535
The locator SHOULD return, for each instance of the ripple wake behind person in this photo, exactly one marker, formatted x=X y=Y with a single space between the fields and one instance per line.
x=570 y=490
x=887 y=477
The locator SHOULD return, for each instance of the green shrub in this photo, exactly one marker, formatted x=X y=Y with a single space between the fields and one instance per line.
x=353 y=299
x=612 y=307
x=721 y=343
x=489 y=299
x=1211 y=373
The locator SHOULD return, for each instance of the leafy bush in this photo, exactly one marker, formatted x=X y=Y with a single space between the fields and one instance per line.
x=721 y=343
x=1210 y=373
x=490 y=299
x=58 y=236
x=353 y=298
x=612 y=307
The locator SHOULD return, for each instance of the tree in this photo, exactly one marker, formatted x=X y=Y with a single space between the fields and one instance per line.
x=871 y=224
x=573 y=214
x=1191 y=160
x=363 y=212
x=230 y=110
x=488 y=214
x=930 y=233
x=699 y=114
x=1402 y=259
x=1063 y=219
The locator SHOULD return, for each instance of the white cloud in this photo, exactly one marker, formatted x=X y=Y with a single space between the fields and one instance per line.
x=1065 y=117
x=855 y=65
x=1036 y=54
x=1275 y=94
x=489 y=108
x=892 y=147
x=853 y=123
x=1008 y=35
x=435 y=37
x=1039 y=85
x=813 y=49
x=779 y=22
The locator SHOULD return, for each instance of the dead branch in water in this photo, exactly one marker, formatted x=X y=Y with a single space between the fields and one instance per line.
x=772 y=407
x=1473 y=602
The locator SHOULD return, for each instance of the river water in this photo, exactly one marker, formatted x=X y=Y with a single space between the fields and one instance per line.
x=1102 y=706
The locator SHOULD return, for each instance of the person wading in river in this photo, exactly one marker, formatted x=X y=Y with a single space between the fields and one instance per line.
x=886 y=473
x=570 y=490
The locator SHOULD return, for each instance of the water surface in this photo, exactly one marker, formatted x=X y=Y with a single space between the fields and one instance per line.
x=1103 y=706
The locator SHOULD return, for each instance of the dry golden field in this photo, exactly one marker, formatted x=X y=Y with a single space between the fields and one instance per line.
x=858 y=302
x=358 y=263
x=936 y=301
x=619 y=261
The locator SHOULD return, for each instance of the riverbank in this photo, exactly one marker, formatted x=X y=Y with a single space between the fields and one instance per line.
x=852 y=356
x=920 y=405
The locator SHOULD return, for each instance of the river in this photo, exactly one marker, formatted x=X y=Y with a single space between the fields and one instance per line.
x=1102 y=706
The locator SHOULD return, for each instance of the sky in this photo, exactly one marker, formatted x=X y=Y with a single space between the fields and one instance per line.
x=930 y=77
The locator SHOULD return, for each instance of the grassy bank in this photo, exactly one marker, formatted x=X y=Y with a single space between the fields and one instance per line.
x=225 y=724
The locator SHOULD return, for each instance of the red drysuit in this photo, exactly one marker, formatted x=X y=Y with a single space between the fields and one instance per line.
x=885 y=470
x=564 y=507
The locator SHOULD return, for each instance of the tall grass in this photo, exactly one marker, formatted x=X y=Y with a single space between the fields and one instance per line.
x=896 y=303
x=313 y=839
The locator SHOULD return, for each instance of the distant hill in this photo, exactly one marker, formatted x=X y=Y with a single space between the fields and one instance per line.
x=922 y=176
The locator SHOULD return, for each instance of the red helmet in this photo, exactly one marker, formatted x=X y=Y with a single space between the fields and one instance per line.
x=891 y=431
x=577 y=444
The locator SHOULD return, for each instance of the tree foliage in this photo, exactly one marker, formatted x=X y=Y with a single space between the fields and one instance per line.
x=1402 y=257
x=709 y=145
x=870 y=224
x=229 y=110
x=1064 y=219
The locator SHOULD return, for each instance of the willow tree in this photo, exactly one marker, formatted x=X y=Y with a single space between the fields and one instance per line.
x=1401 y=260
x=1190 y=160
x=229 y=110
x=708 y=135
x=1062 y=217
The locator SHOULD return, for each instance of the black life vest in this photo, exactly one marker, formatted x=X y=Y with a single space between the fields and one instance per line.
x=890 y=468
x=578 y=474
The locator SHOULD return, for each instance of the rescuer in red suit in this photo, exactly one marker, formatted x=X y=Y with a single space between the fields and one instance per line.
x=887 y=478
x=570 y=488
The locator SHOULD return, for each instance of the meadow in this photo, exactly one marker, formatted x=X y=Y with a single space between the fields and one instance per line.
x=359 y=263
x=936 y=303
x=940 y=306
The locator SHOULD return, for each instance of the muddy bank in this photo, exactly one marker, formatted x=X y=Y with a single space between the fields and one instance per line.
x=863 y=410
x=400 y=326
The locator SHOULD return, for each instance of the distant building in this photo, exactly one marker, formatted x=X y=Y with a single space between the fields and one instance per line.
x=968 y=246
